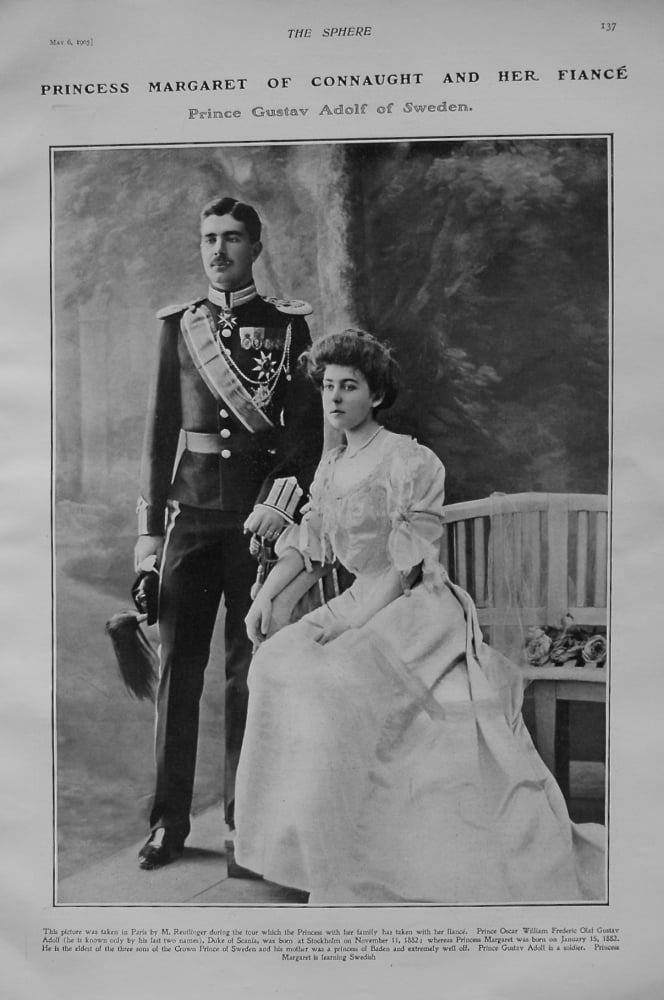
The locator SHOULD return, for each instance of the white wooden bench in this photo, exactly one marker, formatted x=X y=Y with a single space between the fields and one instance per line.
x=527 y=559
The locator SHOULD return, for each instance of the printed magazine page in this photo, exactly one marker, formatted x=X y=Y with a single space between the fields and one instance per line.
x=331 y=518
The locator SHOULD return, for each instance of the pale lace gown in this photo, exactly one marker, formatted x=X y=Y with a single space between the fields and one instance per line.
x=392 y=764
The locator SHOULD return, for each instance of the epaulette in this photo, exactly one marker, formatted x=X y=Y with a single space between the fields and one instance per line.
x=175 y=309
x=292 y=307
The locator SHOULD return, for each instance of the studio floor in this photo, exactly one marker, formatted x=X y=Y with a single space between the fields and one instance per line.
x=200 y=877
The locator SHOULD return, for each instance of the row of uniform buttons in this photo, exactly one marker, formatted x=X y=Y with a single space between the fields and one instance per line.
x=225 y=433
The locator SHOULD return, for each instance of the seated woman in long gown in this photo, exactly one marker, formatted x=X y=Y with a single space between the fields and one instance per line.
x=385 y=758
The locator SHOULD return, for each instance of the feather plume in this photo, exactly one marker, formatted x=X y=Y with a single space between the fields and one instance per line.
x=137 y=659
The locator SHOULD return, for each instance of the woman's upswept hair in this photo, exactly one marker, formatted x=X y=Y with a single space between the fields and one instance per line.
x=360 y=350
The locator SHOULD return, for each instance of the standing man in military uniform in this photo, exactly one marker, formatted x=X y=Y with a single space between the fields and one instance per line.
x=231 y=421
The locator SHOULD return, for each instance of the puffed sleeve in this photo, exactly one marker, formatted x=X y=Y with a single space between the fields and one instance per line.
x=309 y=536
x=416 y=493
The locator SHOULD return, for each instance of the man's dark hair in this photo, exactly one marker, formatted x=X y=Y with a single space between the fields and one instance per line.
x=238 y=210
x=360 y=350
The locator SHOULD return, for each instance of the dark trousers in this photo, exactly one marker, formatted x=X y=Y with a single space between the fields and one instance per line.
x=206 y=556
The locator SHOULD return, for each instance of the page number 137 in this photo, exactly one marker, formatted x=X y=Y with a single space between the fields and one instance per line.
x=609 y=25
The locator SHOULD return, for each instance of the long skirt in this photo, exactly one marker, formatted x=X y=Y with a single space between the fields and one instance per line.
x=392 y=765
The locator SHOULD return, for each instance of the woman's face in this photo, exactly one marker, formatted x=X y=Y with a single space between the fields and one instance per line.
x=347 y=399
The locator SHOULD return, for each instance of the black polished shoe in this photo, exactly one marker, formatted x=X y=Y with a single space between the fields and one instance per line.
x=161 y=847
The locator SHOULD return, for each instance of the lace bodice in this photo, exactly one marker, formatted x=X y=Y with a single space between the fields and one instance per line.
x=391 y=518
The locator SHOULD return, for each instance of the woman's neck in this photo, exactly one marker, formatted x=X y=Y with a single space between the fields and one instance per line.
x=360 y=437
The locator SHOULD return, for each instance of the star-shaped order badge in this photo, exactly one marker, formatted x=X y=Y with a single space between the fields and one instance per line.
x=227 y=322
x=264 y=366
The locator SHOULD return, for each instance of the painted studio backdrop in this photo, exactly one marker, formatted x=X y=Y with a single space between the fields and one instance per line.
x=484 y=263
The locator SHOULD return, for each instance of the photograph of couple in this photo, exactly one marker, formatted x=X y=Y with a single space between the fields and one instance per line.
x=356 y=397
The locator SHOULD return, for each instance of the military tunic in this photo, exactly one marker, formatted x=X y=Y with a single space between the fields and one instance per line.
x=243 y=469
x=202 y=472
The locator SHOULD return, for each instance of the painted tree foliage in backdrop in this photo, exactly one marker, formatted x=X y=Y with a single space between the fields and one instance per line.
x=488 y=271
x=485 y=264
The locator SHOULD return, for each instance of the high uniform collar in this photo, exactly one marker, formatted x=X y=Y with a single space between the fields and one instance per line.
x=231 y=300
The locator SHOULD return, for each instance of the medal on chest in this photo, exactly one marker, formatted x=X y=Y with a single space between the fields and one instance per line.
x=252 y=337
x=272 y=357
x=265 y=367
x=226 y=322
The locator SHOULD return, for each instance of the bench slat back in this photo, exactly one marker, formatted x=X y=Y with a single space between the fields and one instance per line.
x=528 y=559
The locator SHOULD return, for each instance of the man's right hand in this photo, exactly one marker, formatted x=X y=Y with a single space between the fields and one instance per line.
x=147 y=546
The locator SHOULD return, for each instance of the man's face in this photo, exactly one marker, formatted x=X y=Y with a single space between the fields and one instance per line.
x=227 y=251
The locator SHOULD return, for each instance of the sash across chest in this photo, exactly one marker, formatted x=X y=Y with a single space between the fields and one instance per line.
x=215 y=369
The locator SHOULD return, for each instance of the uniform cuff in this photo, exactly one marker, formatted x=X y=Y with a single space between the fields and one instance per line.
x=150 y=519
x=284 y=497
